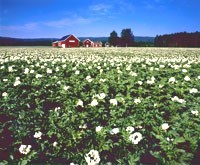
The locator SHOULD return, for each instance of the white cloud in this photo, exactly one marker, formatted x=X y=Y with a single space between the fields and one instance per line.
x=20 y=31
x=67 y=22
x=45 y=28
x=100 y=8
x=16 y=28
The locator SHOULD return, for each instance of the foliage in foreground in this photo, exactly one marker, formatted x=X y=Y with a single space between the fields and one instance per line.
x=98 y=107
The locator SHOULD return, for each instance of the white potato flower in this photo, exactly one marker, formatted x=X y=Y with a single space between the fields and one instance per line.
x=176 y=99
x=172 y=80
x=114 y=131
x=64 y=66
x=137 y=101
x=55 y=144
x=94 y=103
x=10 y=69
x=113 y=101
x=32 y=71
x=181 y=101
x=92 y=158
x=17 y=82
x=101 y=96
x=165 y=126
x=72 y=163
x=102 y=80
x=187 y=78
x=161 y=66
x=135 y=138
x=151 y=81
x=195 y=112
x=38 y=76
x=89 y=78
x=169 y=139
x=4 y=94
x=37 y=135
x=2 y=67
x=49 y=71
x=130 y=129
x=140 y=82
x=25 y=149
x=57 y=69
x=98 y=128
x=184 y=70
x=193 y=90
x=133 y=74
x=80 y=103
x=84 y=126
x=77 y=72
x=66 y=88
x=26 y=71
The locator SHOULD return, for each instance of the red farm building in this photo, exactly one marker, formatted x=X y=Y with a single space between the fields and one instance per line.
x=55 y=44
x=67 y=41
x=97 y=44
x=88 y=43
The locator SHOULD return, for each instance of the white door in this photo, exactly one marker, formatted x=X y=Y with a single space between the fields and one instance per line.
x=63 y=45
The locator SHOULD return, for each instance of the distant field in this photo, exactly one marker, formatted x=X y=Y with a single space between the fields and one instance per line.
x=99 y=105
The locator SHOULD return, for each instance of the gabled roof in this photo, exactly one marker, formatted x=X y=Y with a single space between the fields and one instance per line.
x=66 y=37
x=87 y=40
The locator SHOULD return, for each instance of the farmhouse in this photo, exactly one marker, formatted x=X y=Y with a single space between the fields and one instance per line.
x=97 y=44
x=67 y=41
x=88 y=43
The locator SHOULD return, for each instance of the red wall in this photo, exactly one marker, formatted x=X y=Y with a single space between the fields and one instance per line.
x=54 y=44
x=87 y=42
x=71 y=44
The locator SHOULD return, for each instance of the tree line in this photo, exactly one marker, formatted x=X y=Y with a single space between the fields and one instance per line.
x=6 y=41
x=126 y=39
x=182 y=39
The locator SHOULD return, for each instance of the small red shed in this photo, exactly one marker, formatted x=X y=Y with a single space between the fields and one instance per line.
x=55 y=44
x=68 y=41
x=88 y=43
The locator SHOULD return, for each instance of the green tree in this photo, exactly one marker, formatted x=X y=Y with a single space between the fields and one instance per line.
x=127 y=37
x=113 y=39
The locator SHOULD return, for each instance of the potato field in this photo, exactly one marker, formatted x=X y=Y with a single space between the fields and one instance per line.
x=103 y=106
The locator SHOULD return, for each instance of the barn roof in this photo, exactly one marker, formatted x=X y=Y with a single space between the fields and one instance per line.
x=55 y=41
x=87 y=40
x=66 y=37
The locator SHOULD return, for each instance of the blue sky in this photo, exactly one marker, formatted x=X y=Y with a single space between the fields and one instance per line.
x=56 y=18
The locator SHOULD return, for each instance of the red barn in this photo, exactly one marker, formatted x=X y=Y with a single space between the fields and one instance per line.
x=88 y=43
x=55 y=44
x=68 y=41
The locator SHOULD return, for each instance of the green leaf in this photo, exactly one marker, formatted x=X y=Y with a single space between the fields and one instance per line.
x=179 y=140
